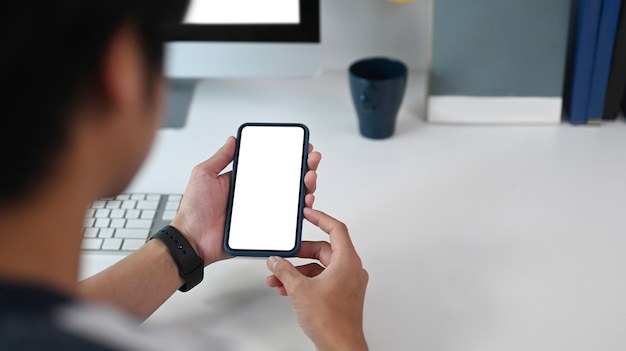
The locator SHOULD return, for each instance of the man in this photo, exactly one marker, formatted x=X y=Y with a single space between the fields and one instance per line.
x=81 y=88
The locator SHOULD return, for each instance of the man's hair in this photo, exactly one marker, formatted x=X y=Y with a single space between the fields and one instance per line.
x=51 y=52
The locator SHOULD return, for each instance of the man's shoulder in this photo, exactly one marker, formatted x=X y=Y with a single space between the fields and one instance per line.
x=19 y=332
x=28 y=321
x=36 y=318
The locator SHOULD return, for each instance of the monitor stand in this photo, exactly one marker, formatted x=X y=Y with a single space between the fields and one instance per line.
x=177 y=102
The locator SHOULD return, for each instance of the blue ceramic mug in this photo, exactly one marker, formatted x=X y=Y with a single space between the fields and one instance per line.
x=377 y=86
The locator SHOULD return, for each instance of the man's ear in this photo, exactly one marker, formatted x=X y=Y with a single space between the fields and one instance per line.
x=121 y=72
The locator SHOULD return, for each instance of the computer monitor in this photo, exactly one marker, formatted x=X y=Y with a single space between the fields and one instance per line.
x=239 y=39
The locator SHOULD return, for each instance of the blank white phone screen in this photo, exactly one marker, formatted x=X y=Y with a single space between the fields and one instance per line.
x=266 y=195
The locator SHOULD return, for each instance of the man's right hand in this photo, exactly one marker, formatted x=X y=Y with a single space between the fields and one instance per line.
x=328 y=298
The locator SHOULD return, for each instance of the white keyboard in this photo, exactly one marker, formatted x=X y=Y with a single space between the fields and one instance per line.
x=124 y=223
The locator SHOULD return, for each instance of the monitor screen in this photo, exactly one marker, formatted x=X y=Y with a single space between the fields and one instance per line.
x=296 y=21
x=243 y=12
x=238 y=39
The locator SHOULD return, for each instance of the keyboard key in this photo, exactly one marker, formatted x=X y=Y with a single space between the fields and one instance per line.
x=126 y=233
x=122 y=197
x=132 y=214
x=171 y=206
x=103 y=213
x=118 y=223
x=175 y=198
x=118 y=213
x=138 y=196
x=147 y=214
x=90 y=212
x=113 y=204
x=98 y=204
x=132 y=244
x=90 y=232
x=129 y=204
x=106 y=233
x=102 y=222
x=139 y=223
x=89 y=222
x=168 y=215
x=153 y=197
x=91 y=244
x=147 y=205
x=112 y=244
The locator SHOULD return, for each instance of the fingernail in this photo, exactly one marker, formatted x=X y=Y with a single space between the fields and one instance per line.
x=273 y=261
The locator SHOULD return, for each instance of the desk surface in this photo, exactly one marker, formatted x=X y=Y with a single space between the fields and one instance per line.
x=475 y=237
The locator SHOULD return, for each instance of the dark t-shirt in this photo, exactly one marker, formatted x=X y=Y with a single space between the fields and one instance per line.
x=38 y=318
x=28 y=321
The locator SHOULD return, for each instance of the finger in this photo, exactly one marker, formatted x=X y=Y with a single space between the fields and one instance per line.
x=310 y=148
x=310 y=181
x=309 y=270
x=283 y=270
x=273 y=282
x=338 y=232
x=309 y=199
x=313 y=161
x=318 y=250
x=221 y=159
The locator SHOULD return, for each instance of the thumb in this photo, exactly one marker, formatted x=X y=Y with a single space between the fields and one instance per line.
x=283 y=270
x=222 y=157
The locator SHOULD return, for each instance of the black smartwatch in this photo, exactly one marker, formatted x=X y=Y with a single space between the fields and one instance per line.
x=190 y=265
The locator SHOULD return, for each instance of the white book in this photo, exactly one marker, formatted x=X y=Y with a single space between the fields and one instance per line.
x=500 y=64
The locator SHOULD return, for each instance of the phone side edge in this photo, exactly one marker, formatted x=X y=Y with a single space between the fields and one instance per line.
x=229 y=208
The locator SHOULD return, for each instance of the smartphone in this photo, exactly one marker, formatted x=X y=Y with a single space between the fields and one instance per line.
x=266 y=199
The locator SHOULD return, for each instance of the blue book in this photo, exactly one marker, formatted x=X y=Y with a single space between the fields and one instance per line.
x=617 y=78
x=587 y=24
x=607 y=30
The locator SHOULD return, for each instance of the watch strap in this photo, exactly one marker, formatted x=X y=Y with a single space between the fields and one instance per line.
x=190 y=265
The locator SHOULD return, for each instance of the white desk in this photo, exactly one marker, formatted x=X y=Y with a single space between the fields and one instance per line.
x=476 y=238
